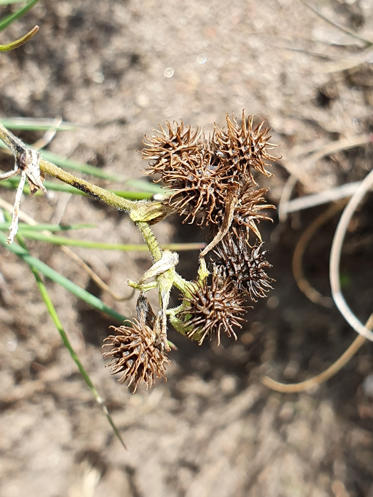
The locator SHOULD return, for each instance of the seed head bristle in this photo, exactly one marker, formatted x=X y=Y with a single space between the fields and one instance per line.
x=245 y=265
x=244 y=146
x=200 y=189
x=169 y=146
x=136 y=354
x=215 y=307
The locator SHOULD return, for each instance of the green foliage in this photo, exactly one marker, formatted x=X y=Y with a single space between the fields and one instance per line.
x=7 y=20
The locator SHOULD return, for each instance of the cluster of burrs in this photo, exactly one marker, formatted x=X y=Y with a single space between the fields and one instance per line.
x=212 y=182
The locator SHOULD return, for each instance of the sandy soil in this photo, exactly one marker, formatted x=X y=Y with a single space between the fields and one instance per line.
x=120 y=68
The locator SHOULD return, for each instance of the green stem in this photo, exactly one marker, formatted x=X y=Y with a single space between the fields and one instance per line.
x=17 y=43
x=150 y=240
x=90 y=189
x=7 y=137
x=186 y=287
x=140 y=210
x=179 y=282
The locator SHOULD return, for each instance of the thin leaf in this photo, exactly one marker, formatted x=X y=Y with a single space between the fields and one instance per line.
x=143 y=185
x=60 y=240
x=37 y=124
x=58 y=187
x=146 y=186
x=8 y=2
x=76 y=166
x=65 y=339
x=16 y=15
x=20 y=41
x=81 y=167
x=53 y=275
x=12 y=184
x=47 y=227
x=345 y=30
x=133 y=195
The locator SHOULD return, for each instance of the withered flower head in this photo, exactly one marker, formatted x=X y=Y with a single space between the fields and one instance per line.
x=245 y=265
x=244 y=146
x=170 y=146
x=137 y=354
x=214 y=307
x=250 y=210
x=211 y=178
x=200 y=187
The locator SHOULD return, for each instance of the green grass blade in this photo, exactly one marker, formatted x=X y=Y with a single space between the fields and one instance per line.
x=53 y=275
x=65 y=339
x=32 y=124
x=12 y=183
x=47 y=227
x=8 y=2
x=78 y=166
x=60 y=240
x=133 y=195
x=16 y=15
x=145 y=186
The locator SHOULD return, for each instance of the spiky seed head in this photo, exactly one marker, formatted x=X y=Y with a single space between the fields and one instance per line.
x=205 y=175
x=136 y=354
x=245 y=146
x=169 y=146
x=246 y=266
x=200 y=188
x=215 y=307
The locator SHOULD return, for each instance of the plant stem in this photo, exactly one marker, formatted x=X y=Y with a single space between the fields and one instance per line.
x=90 y=189
x=8 y=138
x=150 y=240
x=17 y=43
x=186 y=287
x=141 y=210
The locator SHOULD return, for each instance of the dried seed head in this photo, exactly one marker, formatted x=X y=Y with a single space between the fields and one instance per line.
x=200 y=189
x=214 y=307
x=245 y=265
x=250 y=210
x=184 y=163
x=211 y=178
x=136 y=353
x=170 y=146
x=244 y=146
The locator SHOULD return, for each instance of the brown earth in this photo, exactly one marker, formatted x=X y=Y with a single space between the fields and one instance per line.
x=121 y=68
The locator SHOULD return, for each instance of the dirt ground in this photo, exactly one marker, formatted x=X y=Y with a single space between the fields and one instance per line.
x=121 y=68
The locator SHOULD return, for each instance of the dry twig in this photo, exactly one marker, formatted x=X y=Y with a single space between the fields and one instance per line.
x=297 y=263
x=325 y=375
x=335 y=258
